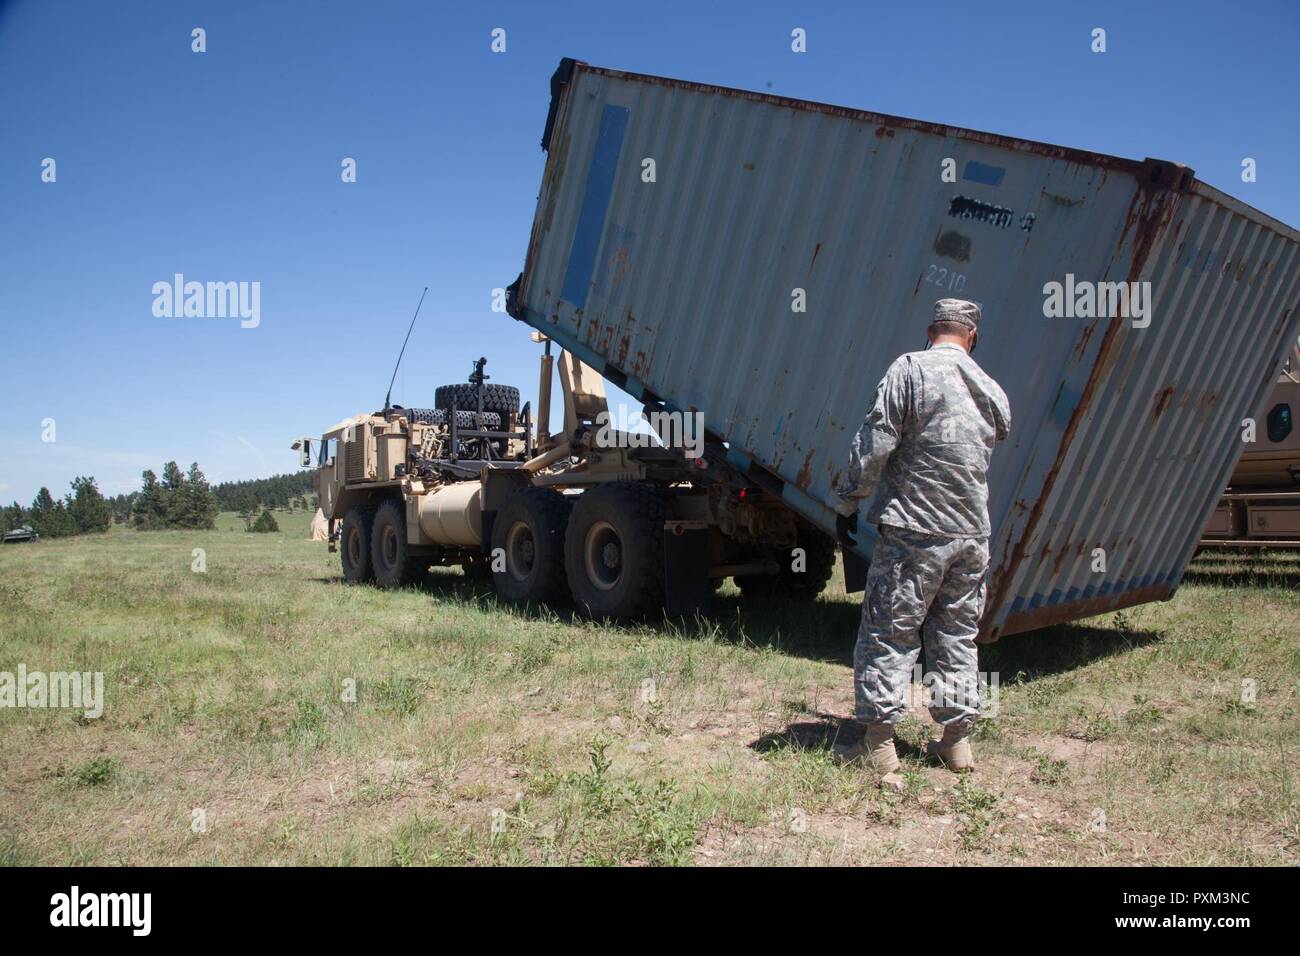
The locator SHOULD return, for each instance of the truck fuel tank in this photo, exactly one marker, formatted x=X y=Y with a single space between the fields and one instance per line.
x=450 y=514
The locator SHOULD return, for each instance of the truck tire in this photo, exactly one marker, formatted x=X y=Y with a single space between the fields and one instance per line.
x=529 y=529
x=502 y=399
x=491 y=420
x=438 y=416
x=469 y=420
x=819 y=553
x=354 y=544
x=390 y=555
x=614 y=551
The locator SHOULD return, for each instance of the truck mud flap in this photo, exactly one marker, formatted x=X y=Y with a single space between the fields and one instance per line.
x=855 y=570
x=855 y=565
x=687 y=590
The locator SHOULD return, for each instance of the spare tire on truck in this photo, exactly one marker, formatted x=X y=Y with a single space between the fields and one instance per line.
x=614 y=550
x=529 y=530
x=502 y=399
x=438 y=416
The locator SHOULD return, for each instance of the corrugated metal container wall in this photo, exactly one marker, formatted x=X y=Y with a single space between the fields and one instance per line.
x=682 y=289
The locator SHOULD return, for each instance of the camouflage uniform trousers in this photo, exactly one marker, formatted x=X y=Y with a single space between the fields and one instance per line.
x=921 y=589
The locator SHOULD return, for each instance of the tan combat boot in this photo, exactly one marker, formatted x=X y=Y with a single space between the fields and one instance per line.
x=953 y=749
x=876 y=745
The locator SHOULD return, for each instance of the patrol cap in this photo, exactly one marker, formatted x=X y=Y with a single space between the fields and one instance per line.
x=959 y=311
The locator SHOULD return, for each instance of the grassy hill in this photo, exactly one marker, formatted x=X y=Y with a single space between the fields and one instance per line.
x=294 y=524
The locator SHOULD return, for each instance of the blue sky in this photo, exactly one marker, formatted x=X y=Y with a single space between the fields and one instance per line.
x=225 y=166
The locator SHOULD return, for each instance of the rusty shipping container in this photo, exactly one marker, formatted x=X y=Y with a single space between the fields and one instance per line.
x=680 y=280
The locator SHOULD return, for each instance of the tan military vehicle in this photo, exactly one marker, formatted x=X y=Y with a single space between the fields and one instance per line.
x=622 y=524
x=1261 y=507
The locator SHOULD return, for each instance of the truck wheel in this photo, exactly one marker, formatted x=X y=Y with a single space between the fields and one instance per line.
x=502 y=399
x=529 y=529
x=355 y=544
x=614 y=550
x=819 y=554
x=390 y=555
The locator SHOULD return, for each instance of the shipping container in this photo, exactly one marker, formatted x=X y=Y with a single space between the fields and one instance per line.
x=762 y=260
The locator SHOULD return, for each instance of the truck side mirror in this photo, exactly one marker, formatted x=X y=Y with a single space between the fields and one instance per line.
x=304 y=453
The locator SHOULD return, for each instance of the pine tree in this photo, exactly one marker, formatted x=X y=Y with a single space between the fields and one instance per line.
x=172 y=477
x=173 y=484
x=12 y=517
x=40 y=514
x=150 y=511
x=200 y=504
x=265 y=523
x=88 y=512
x=49 y=518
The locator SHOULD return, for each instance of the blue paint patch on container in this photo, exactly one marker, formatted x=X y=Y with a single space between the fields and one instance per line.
x=595 y=205
x=985 y=175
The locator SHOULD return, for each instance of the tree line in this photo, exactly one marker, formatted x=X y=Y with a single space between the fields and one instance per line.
x=283 y=492
x=176 y=500
x=83 y=510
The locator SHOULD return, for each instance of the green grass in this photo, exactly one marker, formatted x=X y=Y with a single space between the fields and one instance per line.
x=306 y=721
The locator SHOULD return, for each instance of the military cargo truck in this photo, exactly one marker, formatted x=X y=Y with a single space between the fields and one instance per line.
x=622 y=524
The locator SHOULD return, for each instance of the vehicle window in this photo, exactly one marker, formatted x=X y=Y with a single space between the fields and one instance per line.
x=1279 y=422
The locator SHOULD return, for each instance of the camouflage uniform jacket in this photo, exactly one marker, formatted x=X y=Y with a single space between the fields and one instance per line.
x=926 y=444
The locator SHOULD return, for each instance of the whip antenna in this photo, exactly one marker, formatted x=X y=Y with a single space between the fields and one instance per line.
x=389 y=396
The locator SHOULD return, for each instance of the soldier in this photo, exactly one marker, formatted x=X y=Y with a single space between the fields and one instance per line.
x=925 y=448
